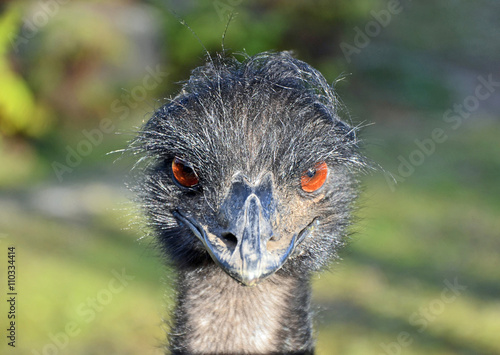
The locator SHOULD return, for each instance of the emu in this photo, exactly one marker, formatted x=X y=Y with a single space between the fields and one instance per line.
x=249 y=187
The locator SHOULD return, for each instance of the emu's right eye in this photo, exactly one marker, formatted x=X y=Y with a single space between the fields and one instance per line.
x=184 y=173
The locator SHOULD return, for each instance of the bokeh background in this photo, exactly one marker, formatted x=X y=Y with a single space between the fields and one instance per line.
x=77 y=78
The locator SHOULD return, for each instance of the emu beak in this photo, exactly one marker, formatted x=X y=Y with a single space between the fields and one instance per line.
x=247 y=249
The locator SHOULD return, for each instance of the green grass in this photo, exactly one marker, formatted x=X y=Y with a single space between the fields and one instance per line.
x=411 y=244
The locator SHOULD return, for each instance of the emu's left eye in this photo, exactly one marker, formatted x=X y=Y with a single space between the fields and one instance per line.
x=312 y=179
x=183 y=173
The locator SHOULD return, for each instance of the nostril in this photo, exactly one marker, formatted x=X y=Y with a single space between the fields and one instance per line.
x=230 y=239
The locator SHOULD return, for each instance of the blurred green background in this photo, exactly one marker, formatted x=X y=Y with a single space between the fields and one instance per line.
x=77 y=78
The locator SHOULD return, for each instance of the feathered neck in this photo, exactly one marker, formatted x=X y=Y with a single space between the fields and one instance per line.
x=216 y=315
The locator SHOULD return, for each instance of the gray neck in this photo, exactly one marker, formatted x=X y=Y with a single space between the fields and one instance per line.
x=216 y=315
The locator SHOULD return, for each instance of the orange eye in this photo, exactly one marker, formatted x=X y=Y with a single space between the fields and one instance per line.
x=184 y=173
x=312 y=179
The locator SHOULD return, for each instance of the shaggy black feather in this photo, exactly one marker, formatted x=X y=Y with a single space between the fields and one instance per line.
x=269 y=113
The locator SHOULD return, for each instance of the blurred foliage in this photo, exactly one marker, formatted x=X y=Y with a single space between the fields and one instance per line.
x=20 y=113
x=68 y=67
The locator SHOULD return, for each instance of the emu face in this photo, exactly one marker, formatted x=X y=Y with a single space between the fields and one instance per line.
x=251 y=168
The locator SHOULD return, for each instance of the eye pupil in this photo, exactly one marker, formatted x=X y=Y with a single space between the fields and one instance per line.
x=187 y=170
x=310 y=173
x=183 y=173
x=314 y=178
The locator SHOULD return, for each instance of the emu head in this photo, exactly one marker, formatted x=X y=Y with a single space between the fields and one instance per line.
x=250 y=168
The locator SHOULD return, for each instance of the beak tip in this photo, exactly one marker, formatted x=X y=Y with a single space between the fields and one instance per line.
x=249 y=278
x=250 y=282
